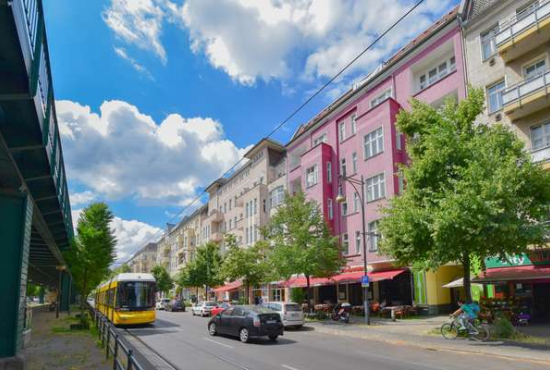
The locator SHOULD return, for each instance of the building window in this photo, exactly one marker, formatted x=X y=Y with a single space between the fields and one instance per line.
x=311 y=176
x=400 y=182
x=353 y=124
x=342 y=131
x=373 y=143
x=255 y=206
x=494 y=96
x=357 y=242
x=534 y=69
x=354 y=162
x=376 y=187
x=344 y=209
x=381 y=98
x=356 y=202
x=277 y=196
x=374 y=238
x=437 y=72
x=343 y=167
x=329 y=172
x=345 y=243
x=320 y=139
x=540 y=136
x=398 y=139
x=330 y=210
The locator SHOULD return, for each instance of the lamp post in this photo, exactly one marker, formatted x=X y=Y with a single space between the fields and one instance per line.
x=341 y=198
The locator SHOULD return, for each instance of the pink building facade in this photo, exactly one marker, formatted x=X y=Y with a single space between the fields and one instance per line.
x=357 y=135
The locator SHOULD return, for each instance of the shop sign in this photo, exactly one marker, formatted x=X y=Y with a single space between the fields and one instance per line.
x=534 y=257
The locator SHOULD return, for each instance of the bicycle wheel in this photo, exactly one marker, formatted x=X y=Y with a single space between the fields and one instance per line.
x=449 y=331
x=483 y=333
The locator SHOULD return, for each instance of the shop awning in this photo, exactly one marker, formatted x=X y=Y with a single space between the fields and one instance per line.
x=356 y=276
x=514 y=274
x=301 y=282
x=458 y=283
x=384 y=275
x=229 y=286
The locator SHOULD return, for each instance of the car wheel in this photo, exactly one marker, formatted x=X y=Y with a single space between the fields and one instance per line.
x=193 y=312
x=244 y=335
x=298 y=327
x=273 y=338
x=212 y=329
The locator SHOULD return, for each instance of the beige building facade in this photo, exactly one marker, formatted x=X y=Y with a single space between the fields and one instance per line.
x=144 y=259
x=507 y=54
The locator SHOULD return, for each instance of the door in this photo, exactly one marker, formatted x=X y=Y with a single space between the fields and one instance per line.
x=541 y=297
x=237 y=321
x=224 y=322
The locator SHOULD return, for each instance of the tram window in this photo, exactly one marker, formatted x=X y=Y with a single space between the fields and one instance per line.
x=136 y=294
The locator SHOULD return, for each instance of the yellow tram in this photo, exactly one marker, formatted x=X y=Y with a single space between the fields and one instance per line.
x=127 y=299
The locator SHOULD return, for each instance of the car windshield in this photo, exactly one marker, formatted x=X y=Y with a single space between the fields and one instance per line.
x=210 y=304
x=136 y=294
x=293 y=307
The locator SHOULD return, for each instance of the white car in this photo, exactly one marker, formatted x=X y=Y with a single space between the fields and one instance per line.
x=203 y=308
x=291 y=314
x=161 y=303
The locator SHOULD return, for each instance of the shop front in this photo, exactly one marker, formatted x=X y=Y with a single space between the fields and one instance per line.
x=518 y=286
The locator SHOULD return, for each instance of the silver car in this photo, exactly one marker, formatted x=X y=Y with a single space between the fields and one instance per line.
x=291 y=313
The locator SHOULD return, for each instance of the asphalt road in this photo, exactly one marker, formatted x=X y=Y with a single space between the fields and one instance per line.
x=183 y=341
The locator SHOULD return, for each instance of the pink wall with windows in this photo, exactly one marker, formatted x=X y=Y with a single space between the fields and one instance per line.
x=404 y=82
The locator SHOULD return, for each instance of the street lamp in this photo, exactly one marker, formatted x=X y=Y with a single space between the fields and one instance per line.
x=341 y=198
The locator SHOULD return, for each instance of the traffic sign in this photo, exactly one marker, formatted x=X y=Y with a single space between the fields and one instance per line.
x=365 y=281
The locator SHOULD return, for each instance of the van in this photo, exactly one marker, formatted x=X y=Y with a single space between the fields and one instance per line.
x=291 y=313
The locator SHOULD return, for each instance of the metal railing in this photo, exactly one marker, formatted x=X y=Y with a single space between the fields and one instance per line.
x=520 y=22
x=526 y=87
x=123 y=357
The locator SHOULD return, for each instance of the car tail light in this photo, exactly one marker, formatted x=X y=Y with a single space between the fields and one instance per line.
x=257 y=322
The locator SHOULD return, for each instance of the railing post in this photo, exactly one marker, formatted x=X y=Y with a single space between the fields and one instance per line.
x=108 y=340
x=130 y=359
x=35 y=66
x=103 y=333
x=115 y=353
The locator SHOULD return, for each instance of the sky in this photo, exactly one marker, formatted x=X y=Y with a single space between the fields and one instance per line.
x=157 y=98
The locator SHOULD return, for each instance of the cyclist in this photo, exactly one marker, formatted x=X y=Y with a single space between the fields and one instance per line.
x=467 y=312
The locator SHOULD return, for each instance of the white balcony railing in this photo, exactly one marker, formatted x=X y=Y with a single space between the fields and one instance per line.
x=540 y=154
x=519 y=23
x=526 y=87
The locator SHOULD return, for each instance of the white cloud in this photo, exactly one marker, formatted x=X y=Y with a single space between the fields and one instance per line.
x=84 y=197
x=123 y=153
x=138 y=22
x=130 y=234
x=121 y=52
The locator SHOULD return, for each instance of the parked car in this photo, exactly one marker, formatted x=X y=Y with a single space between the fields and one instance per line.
x=203 y=308
x=175 y=305
x=247 y=322
x=161 y=303
x=219 y=308
x=291 y=314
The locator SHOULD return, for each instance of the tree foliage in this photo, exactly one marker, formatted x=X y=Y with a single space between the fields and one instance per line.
x=93 y=248
x=208 y=264
x=301 y=241
x=471 y=190
x=163 y=278
x=249 y=264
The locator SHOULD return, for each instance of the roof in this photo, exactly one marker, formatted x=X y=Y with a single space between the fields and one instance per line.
x=130 y=277
x=379 y=71
x=264 y=142
x=472 y=9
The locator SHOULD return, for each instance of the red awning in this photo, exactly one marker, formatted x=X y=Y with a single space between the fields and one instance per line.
x=349 y=277
x=514 y=273
x=384 y=275
x=301 y=282
x=229 y=286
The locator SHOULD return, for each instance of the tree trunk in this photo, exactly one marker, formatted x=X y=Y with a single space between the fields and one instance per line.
x=206 y=292
x=247 y=292
x=467 y=282
x=308 y=294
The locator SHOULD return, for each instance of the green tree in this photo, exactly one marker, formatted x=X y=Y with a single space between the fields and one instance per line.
x=190 y=276
x=249 y=264
x=163 y=278
x=208 y=262
x=122 y=269
x=472 y=190
x=301 y=241
x=92 y=250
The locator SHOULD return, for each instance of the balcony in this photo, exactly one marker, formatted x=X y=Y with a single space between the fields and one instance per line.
x=524 y=32
x=216 y=237
x=527 y=96
x=215 y=216
x=541 y=155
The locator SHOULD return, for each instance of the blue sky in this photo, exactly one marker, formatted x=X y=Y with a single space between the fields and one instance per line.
x=156 y=98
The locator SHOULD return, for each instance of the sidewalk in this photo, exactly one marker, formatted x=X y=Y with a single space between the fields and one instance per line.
x=53 y=346
x=421 y=333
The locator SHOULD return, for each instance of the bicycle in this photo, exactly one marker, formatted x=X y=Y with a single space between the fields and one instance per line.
x=474 y=330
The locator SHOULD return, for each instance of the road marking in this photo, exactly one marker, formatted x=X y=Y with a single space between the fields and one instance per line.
x=288 y=367
x=219 y=343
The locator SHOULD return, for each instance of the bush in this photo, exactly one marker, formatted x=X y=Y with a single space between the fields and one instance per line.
x=503 y=328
